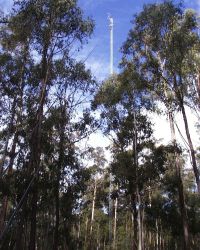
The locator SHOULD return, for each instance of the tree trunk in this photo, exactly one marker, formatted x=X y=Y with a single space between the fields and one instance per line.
x=35 y=142
x=110 y=212
x=12 y=155
x=180 y=98
x=57 y=201
x=86 y=234
x=17 y=103
x=92 y=217
x=157 y=235
x=126 y=229
x=3 y=211
x=135 y=222
x=192 y=151
x=35 y=160
x=135 y=194
x=143 y=228
x=93 y=207
x=20 y=228
x=115 y=223
x=10 y=128
x=182 y=204
x=98 y=238
x=198 y=88
x=58 y=174
x=139 y=221
x=78 y=233
x=33 y=219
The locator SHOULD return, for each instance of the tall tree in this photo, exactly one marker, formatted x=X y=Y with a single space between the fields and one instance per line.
x=47 y=30
x=131 y=134
x=161 y=46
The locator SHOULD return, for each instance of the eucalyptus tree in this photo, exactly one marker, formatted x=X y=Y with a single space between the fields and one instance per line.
x=94 y=215
x=161 y=45
x=44 y=32
x=15 y=66
x=123 y=108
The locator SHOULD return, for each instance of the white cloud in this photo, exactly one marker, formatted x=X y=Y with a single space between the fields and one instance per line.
x=162 y=128
x=194 y=3
x=94 y=58
x=99 y=68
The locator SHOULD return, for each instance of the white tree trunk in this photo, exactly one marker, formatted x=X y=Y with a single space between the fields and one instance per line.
x=93 y=207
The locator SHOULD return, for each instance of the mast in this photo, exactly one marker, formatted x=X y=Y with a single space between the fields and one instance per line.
x=111 y=23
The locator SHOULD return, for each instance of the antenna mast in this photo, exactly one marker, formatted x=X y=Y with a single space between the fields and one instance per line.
x=111 y=43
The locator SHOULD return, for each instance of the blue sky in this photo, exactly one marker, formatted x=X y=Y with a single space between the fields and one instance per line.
x=122 y=12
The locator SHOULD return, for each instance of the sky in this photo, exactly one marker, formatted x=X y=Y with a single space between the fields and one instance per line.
x=97 y=49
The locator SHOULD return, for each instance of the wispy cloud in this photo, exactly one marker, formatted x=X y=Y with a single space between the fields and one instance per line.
x=100 y=69
x=195 y=4
x=198 y=5
x=95 y=59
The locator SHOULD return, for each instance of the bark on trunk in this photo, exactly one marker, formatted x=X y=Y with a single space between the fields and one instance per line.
x=78 y=234
x=86 y=233
x=139 y=221
x=58 y=172
x=12 y=154
x=92 y=216
x=180 y=97
x=20 y=228
x=157 y=235
x=33 y=219
x=198 y=88
x=135 y=224
x=93 y=207
x=136 y=200
x=17 y=103
x=182 y=204
x=56 y=230
x=10 y=128
x=110 y=211
x=36 y=148
x=192 y=151
x=3 y=211
x=115 y=223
